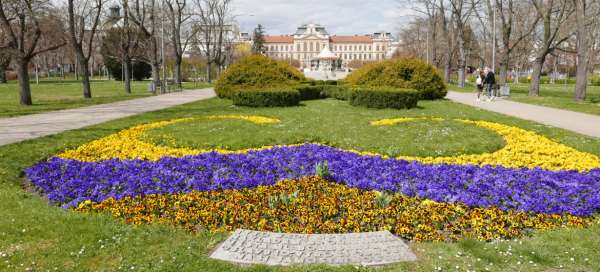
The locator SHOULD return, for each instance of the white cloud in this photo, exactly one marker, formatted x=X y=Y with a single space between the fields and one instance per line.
x=342 y=17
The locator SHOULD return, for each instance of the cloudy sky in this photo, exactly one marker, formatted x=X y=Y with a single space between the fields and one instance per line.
x=342 y=17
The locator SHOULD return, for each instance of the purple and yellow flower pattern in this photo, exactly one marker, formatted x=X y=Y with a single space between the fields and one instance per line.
x=532 y=183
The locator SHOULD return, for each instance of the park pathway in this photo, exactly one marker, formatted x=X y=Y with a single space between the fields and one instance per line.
x=583 y=123
x=16 y=129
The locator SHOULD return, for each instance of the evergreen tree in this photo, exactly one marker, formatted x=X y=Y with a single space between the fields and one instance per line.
x=258 y=40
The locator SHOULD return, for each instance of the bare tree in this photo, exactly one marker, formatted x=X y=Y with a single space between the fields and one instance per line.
x=554 y=15
x=83 y=20
x=21 y=20
x=447 y=30
x=514 y=32
x=5 y=57
x=145 y=15
x=214 y=32
x=586 y=20
x=178 y=17
x=461 y=12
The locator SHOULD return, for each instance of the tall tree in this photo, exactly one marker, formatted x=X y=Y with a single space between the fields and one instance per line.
x=5 y=57
x=461 y=12
x=83 y=20
x=514 y=32
x=128 y=43
x=587 y=22
x=554 y=15
x=21 y=20
x=447 y=30
x=214 y=32
x=145 y=16
x=258 y=40
x=178 y=17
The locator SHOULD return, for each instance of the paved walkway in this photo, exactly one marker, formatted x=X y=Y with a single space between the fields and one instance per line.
x=583 y=123
x=32 y=126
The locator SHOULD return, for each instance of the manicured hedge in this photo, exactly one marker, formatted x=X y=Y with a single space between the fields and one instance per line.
x=256 y=72
x=308 y=92
x=401 y=73
x=339 y=92
x=267 y=98
x=384 y=98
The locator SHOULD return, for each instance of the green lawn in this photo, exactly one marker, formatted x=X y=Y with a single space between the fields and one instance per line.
x=63 y=94
x=551 y=95
x=40 y=237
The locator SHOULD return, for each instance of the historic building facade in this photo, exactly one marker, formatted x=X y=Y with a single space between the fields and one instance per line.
x=312 y=39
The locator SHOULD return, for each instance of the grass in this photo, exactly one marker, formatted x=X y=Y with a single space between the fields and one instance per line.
x=51 y=95
x=551 y=95
x=41 y=237
x=327 y=121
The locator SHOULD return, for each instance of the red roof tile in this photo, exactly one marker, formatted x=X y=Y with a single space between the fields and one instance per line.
x=279 y=39
x=351 y=39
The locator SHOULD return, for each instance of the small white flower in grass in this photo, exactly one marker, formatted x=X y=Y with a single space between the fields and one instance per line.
x=572 y=259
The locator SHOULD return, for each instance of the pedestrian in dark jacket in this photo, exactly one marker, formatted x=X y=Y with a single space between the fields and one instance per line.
x=490 y=82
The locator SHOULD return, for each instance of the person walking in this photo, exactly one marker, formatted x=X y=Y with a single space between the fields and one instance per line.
x=479 y=77
x=490 y=83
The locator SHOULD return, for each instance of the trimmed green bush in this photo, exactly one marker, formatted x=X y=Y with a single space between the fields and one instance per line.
x=404 y=73
x=385 y=97
x=339 y=92
x=267 y=98
x=256 y=72
x=310 y=92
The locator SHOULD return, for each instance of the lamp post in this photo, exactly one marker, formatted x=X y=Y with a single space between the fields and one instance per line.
x=494 y=36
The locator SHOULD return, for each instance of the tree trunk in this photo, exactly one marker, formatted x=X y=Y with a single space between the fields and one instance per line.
x=178 y=71
x=25 y=89
x=2 y=74
x=208 y=72
x=581 y=84
x=504 y=66
x=85 y=76
x=582 y=51
x=534 y=87
x=127 y=75
x=155 y=77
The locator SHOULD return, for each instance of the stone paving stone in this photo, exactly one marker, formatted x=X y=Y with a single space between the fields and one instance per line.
x=366 y=249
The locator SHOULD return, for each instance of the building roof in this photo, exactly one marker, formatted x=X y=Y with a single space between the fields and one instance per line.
x=279 y=39
x=351 y=39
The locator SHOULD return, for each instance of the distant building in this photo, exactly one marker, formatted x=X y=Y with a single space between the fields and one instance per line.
x=312 y=40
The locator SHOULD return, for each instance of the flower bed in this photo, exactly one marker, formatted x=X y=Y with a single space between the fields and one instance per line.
x=537 y=190
x=314 y=205
x=531 y=183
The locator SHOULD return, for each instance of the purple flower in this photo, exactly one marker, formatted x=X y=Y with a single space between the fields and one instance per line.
x=69 y=182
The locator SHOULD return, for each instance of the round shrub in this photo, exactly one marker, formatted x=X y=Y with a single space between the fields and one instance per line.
x=267 y=98
x=405 y=73
x=384 y=97
x=255 y=72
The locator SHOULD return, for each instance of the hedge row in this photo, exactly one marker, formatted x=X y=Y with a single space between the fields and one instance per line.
x=381 y=98
x=284 y=97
